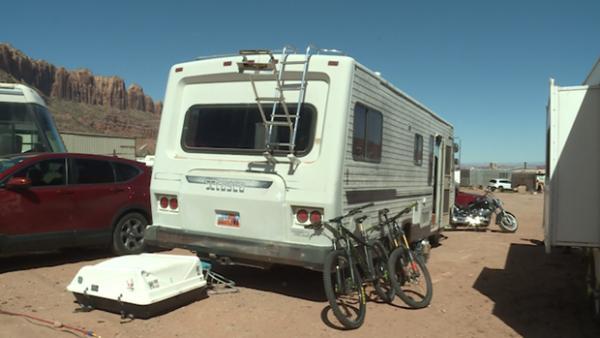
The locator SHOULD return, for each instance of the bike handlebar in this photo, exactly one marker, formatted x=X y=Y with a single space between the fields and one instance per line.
x=359 y=209
x=402 y=212
x=352 y=212
x=338 y=219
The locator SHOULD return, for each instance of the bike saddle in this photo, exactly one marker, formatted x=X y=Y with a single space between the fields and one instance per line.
x=361 y=219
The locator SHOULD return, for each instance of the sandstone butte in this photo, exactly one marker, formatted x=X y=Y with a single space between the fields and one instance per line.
x=79 y=85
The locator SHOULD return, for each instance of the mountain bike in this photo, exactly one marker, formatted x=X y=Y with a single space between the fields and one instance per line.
x=354 y=261
x=408 y=273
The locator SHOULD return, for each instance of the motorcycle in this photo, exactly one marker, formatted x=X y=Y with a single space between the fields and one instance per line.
x=476 y=211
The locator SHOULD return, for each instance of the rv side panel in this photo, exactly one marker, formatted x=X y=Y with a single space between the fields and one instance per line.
x=397 y=179
x=573 y=181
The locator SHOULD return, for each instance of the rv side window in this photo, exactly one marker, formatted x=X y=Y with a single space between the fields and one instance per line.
x=367 y=135
x=240 y=129
x=418 y=149
x=448 y=162
x=430 y=172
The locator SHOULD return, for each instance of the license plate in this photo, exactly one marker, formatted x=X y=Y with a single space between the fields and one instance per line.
x=228 y=219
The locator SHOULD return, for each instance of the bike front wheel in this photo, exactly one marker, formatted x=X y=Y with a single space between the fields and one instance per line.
x=382 y=283
x=344 y=289
x=410 y=278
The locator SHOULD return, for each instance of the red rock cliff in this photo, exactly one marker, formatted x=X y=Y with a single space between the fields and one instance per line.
x=76 y=85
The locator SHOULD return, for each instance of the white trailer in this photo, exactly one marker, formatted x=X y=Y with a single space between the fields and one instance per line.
x=572 y=189
x=254 y=146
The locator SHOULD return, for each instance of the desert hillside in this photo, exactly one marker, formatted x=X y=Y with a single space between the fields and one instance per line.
x=83 y=102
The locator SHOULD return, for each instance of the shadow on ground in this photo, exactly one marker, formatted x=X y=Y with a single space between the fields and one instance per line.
x=285 y=280
x=539 y=294
x=52 y=258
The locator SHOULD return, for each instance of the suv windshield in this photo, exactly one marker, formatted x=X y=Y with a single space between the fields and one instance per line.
x=240 y=129
x=27 y=127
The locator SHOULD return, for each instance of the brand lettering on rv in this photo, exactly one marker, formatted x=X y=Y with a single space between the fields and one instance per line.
x=228 y=186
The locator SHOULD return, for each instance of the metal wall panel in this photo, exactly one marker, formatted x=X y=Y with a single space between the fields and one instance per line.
x=100 y=145
x=574 y=168
x=476 y=177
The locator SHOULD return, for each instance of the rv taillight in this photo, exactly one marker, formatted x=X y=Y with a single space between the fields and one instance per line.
x=302 y=216
x=315 y=217
x=227 y=63
x=164 y=202
x=332 y=63
x=173 y=204
x=178 y=69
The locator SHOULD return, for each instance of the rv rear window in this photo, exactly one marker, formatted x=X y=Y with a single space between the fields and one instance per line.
x=240 y=129
x=366 y=140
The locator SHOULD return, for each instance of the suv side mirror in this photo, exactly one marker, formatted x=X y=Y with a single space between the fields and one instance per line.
x=18 y=183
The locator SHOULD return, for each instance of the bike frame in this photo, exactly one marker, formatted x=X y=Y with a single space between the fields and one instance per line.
x=342 y=234
x=395 y=232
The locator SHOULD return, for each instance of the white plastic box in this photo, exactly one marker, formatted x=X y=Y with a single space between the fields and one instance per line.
x=139 y=286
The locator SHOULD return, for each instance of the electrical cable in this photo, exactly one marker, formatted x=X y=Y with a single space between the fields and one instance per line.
x=54 y=324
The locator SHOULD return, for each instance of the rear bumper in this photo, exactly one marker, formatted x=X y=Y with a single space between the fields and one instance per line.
x=235 y=250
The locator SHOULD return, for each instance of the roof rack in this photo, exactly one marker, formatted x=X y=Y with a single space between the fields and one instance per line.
x=317 y=51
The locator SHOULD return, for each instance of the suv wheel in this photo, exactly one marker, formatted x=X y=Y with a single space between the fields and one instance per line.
x=501 y=189
x=128 y=234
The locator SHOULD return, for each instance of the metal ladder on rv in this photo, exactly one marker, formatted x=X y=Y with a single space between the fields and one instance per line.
x=282 y=117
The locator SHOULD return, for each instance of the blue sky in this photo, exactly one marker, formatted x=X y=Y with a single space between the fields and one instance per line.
x=484 y=66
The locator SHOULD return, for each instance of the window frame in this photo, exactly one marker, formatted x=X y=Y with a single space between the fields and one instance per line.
x=234 y=151
x=367 y=110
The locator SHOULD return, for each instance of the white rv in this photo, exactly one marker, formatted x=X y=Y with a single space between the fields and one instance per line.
x=572 y=189
x=26 y=125
x=254 y=146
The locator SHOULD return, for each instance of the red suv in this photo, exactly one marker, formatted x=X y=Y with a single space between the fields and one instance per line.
x=57 y=200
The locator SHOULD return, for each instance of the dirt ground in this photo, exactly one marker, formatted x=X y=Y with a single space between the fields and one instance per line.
x=486 y=284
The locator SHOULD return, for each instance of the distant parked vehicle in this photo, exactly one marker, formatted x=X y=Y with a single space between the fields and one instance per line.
x=474 y=210
x=56 y=200
x=500 y=184
x=26 y=125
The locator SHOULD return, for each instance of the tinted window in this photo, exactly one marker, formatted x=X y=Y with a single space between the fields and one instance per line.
x=92 y=171
x=125 y=172
x=492 y=181
x=418 y=149
x=240 y=128
x=45 y=173
x=367 y=134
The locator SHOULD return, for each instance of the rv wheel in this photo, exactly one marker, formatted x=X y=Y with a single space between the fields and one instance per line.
x=128 y=234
